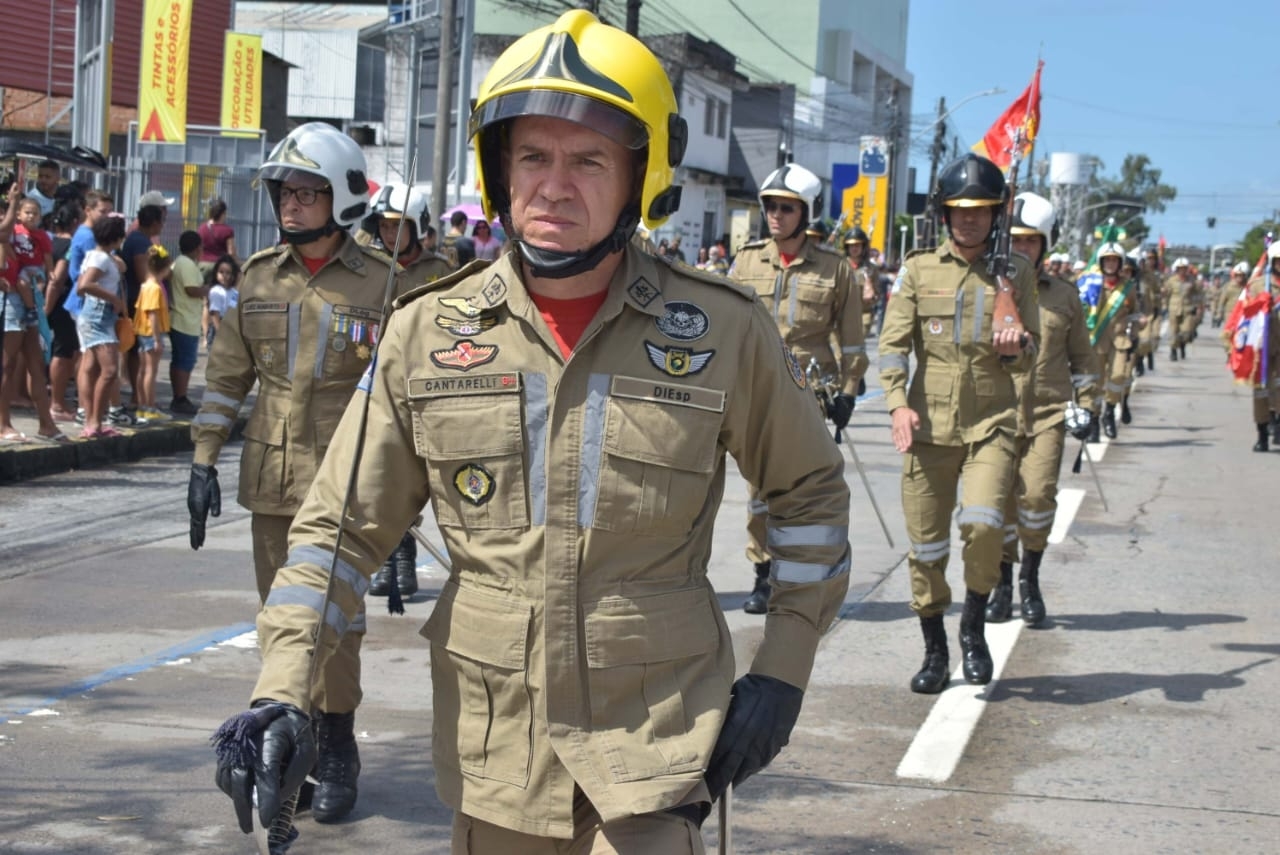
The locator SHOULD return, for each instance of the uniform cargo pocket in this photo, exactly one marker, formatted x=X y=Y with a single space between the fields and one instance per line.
x=266 y=335
x=483 y=708
x=653 y=673
x=263 y=472
x=657 y=467
x=474 y=450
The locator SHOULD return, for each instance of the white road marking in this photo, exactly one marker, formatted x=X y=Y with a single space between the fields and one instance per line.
x=1069 y=500
x=940 y=743
x=1098 y=450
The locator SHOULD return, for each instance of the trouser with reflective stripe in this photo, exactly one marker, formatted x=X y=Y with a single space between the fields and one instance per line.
x=1149 y=337
x=1033 y=501
x=757 y=516
x=1119 y=375
x=662 y=833
x=337 y=688
x=931 y=477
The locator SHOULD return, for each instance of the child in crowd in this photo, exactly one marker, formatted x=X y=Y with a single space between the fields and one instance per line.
x=151 y=325
x=102 y=288
x=223 y=295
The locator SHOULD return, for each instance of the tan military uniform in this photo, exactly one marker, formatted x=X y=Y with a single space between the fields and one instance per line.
x=577 y=642
x=866 y=278
x=1183 y=299
x=1066 y=369
x=818 y=309
x=964 y=393
x=1113 y=346
x=1226 y=300
x=428 y=267
x=1149 y=292
x=305 y=341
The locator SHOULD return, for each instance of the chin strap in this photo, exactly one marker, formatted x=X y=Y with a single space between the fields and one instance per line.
x=309 y=235
x=551 y=264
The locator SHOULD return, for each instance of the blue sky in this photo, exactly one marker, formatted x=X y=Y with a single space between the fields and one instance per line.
x=1195 y=86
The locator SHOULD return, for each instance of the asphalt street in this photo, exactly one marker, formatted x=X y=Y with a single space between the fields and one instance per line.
x=1140 y=716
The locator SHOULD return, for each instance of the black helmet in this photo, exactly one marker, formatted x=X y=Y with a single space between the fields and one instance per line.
x=856 y=235
x=970 y=181
x=818 y=229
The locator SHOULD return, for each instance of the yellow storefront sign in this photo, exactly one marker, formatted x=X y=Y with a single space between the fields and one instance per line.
x=162 y=77
x=866 y=204
x=242 y=84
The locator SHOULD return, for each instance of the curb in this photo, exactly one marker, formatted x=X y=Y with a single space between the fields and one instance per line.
x=25 y=462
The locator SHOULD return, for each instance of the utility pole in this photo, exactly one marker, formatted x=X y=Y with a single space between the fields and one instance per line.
x=936 y=151
x=633 y=17
x=895 y=123
x=444 y=95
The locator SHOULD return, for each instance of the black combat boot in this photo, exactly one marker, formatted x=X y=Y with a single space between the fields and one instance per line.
x=758 y=602
x=1125 y=415
x=1095 y=430
x=1139 y=368
x=1182 y=350
x=1275 y=428
x=1151 y=360
x=1261 y=444
x=1173 y=353
x=935 y=673
x=973 y=642
x=1000 y=608
x=405 y=559
x=380 y=585
x=1029 y=587
x=337 y=767
x=1109 y=421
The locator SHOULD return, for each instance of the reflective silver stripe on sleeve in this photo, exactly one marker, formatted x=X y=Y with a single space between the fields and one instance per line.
x=1079 y=381
x=807 y=535
x=322 y=558
x=791 y=304
x=215 y=419
x=1010 y=534
x=220 y=400
x=295 y=320
x=955 y=326
x=854 y=348
x=799 y=572
x=755 y=507
x=931 y=551
x=979 y=308
x=360 y=625
x=535 y=418
x=322 y=339
x=974 y=514
x=894 y=360
x=301 y=595
x=1114 y=387
x=592 y=448
x=777 y=294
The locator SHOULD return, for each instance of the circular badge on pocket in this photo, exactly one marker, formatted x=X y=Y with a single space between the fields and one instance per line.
x=474 y=483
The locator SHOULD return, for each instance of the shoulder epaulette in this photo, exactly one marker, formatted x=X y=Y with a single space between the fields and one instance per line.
x=822 y=247
x=709 y=278
x=377 y=253
x=754 y=244
x=443 y=282
x=915 y=252
x=264 y=254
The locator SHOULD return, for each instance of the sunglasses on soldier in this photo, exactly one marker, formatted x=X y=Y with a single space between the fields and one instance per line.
x=781 y=207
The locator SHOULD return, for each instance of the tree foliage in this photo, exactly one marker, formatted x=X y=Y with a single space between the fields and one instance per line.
x=1254 y=241
x=1137 y=190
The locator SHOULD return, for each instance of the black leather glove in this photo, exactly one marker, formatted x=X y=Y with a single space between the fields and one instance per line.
x=204 y=497
x=270 y=749
x=841 y=410
x=762 y=712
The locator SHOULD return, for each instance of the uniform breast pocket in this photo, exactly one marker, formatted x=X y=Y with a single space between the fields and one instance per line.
x=267 y=336
x=348 y=344
x=474 y=449
x=1053 y=329
x=657 y=467
x=936 y=317
x=813 y=301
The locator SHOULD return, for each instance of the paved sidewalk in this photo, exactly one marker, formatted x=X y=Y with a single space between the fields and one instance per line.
x=23 y=461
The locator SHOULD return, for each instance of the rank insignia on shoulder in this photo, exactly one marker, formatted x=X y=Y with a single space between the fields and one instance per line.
x=468 y=326
x=462 y=306
x=494 y=291
x=474 y=483
x=793 y=366
x=464 y=355
x=683 y=321
x=642 y=292
x=677 y=361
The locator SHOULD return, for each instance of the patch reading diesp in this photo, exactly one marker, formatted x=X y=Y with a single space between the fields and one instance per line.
x=474 y=483
x=260 y=306
x=793 y=365
x=696 y=397
x=677 y=361
x=683 y=321
x=464 y=355
x=463 y=306
x=466 y=326
x=420 y=388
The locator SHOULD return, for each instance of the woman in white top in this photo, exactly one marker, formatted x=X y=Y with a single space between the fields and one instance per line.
x=488 y=247
x=100 y=286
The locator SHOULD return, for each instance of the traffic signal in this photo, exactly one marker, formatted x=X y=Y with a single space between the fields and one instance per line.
x=1212 y=221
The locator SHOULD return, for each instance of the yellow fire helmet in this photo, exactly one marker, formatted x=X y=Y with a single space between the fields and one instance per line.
x=598 y=76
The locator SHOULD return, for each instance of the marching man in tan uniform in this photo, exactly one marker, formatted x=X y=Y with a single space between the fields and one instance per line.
x=865 y=274
x=1111 y=342
x=810 y=292
x=573 y=451
x=1151 y=305
x=304 y=332
x=1182 y=296
x=403 y=216
x=1066 y=372
x=957 y=418
x=1266 y=397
